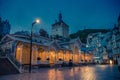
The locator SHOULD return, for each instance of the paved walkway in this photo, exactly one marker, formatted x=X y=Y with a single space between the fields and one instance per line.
x=98 y=72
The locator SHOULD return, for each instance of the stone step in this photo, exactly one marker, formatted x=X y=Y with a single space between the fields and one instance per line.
x=6 y=67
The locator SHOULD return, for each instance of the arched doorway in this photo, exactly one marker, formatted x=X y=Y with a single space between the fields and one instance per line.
x=76 y=55
x=67 y=57
x=52 y=56
x=70 y=55
x=19 y=53
x=41 y=54
x=25 y=54
x=59 y=56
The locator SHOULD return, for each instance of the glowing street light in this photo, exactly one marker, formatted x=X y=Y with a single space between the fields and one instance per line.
x=111 y=62
x=35 y=22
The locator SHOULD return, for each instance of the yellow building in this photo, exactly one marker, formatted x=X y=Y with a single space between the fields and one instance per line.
x=44 y=50
x=86 y=57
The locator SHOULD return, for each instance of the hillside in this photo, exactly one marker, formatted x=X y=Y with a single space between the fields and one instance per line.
x=82 y=34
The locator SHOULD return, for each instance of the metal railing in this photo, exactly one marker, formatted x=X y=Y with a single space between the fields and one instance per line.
x=16 y=64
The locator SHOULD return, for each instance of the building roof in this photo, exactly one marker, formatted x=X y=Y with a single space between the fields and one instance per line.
x=26 y=39
x=59 y=23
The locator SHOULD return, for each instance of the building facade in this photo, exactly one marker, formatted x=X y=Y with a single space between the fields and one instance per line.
x=106 y=47
x=60 y=28
x=45 y=50
x=115 y=41
x=85 y=55
x=97 y=45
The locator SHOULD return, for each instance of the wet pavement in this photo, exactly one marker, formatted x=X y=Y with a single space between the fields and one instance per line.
x=94 y=72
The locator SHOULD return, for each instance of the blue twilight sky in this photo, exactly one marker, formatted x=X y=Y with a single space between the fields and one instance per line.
x=78 y=14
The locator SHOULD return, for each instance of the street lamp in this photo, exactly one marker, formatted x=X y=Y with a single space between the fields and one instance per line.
x=35 y=22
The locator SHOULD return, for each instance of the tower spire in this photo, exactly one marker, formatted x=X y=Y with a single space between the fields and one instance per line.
x=60 y=16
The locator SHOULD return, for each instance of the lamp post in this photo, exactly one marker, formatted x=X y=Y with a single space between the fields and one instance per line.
x=36 y=21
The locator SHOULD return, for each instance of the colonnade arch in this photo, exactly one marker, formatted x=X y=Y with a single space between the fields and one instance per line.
x=45 y=54
x=18 y=54
x=70 y=55
x=41 y=54
x=52 y=56
x=59 y=55
x=66 y=56
x=25 y=59
x=76 y=55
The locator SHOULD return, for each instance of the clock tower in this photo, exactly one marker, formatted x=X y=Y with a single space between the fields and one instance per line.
x=60 y=28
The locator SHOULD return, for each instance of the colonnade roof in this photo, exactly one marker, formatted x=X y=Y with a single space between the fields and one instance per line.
x=24 y=39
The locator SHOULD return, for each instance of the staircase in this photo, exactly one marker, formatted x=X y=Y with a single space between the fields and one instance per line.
x=6 y=67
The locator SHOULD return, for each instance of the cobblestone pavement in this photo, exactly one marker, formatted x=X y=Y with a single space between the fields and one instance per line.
x=95 y=72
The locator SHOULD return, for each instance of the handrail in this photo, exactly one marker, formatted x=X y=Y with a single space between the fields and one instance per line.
x=14 y=62
x=7 y=55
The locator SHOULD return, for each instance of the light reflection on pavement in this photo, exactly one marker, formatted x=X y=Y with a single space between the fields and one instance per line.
x=95 y=72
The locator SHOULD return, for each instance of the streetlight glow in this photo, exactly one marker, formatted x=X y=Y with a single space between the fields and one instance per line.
x=37 y=21
x=111 y=62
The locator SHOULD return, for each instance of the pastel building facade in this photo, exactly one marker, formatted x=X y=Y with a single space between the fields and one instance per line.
x=97 y=43
x=115 y=42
